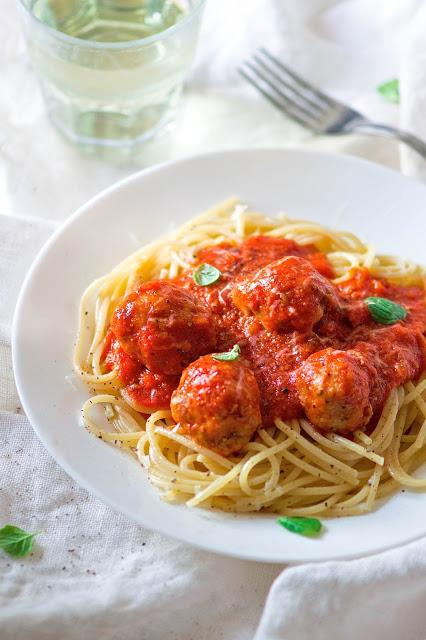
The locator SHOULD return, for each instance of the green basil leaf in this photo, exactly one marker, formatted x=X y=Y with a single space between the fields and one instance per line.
x=385 y=311
x=228 y=355
x=206 y=274
x=390 y=91
x=15 y=541
x=302 y=526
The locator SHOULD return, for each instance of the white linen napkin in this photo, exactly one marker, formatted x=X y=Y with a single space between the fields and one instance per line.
x=345 y=47
x=381 y=598
x=93 y=573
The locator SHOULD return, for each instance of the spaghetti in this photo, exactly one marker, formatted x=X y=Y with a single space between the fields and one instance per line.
x=289 y=466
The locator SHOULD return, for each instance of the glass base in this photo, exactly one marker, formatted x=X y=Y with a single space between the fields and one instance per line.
x=110 y=129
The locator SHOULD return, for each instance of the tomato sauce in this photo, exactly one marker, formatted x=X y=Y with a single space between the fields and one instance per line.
x=396 y=353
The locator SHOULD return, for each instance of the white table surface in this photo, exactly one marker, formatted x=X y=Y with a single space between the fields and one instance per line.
x=43 y=177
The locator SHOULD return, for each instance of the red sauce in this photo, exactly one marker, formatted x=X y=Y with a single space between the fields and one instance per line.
x=144 y=389
x=338 y=320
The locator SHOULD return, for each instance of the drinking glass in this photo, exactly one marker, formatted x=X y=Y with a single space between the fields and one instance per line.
x=111 y=71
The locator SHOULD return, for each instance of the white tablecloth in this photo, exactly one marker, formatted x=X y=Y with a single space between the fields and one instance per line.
x=93 y=573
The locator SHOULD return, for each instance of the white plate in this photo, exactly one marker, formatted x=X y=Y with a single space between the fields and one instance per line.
x=378 y=204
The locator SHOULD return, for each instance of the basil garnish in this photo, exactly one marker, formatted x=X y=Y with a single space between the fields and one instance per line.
x=385 y=311
x=302 y=526
x=206 y=274
x=390 y=91
x=15 y=541
x=228 y=355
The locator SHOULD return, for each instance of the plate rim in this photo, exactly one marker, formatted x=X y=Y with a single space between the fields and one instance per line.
x=55 y=452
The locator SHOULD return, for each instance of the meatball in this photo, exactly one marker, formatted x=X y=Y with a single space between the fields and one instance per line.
x=217 y=404
x=286 y=295
x=164 y=327
x=334 y=389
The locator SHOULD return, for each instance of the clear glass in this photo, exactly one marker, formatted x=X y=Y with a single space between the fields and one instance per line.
x=111 y=71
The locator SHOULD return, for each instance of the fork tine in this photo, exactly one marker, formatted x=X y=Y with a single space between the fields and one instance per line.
x=282 y=103
x=328 y=102
x=290 y=104
x=284 y=96
x=287 y=99
x=314 y=107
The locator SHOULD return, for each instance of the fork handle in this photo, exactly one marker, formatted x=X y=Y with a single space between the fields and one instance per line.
x=391 y=132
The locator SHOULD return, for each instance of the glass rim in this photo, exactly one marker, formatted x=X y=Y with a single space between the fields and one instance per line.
x=128 y=44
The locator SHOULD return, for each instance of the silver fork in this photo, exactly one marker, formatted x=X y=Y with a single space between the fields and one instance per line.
x=309 y=106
